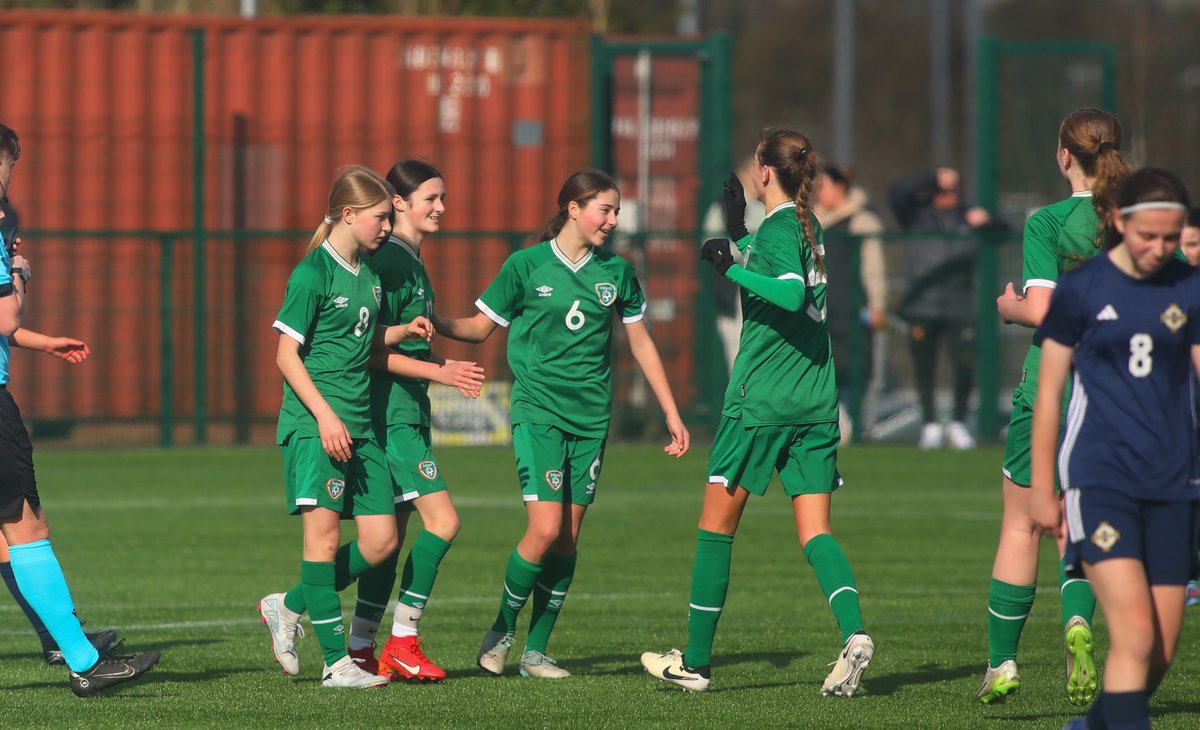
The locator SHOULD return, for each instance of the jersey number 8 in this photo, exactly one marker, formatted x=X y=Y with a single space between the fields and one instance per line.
x=1140 y=362
x=364 y=321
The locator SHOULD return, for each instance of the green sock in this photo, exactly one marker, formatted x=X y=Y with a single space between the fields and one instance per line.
x=1008 y=607
x=374 y=590
x=324 y=609
x=837 y=582
x=416 y=585
x=548 y=596
x=710 y=583
x=348 y=564
x=519 y=578
x=1077 y=596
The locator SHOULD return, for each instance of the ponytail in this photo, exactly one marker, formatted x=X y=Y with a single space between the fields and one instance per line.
x=1093 y=137
x=790 y=155
x=319 y=235
x=1111 y=169
x=355 y=187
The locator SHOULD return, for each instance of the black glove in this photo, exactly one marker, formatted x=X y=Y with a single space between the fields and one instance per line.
x=733 y=200
x=716 y=252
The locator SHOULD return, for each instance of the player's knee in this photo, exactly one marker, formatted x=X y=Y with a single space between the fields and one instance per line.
x=445 y=526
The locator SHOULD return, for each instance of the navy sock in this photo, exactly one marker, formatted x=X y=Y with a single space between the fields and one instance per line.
x=10 y=580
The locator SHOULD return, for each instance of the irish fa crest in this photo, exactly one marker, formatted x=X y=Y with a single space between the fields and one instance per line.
x=1173 y=317
x=607 y=293
x=428 y=469
x=378 y=294
x=336 y=488
x=554 y=478
x=1105 y=536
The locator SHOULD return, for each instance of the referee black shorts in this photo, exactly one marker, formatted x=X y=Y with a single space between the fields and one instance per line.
x=17 y=483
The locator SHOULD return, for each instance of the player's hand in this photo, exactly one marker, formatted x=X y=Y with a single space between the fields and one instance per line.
x=1045 y=511
x=716 y=252
x=466 y=377
x=20 y=267
x=681 y=440
x=733 y=204
x=419 y=329
x=1005 y=302
x=65 y=348
x=335 y=438
x=877 y=320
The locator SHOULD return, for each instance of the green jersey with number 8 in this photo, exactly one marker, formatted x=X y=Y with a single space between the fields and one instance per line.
x=559 y=347
x=330 y=308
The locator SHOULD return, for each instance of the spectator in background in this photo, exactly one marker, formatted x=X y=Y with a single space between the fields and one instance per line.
x=940 y=301
x=844 y=212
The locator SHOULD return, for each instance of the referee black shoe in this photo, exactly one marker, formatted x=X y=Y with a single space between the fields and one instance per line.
x=112 y=670
x=54 y=656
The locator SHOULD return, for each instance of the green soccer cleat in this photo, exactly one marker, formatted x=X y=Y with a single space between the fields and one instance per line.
x=999 y=683
x=1081 y=668
x=537 y=665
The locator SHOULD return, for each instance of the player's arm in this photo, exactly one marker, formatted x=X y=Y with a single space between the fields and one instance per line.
x=335 y=437
x=12 y=300
x=467 y=377
x=1028 y=310
x=465 y=329
x=65 y=348
x=1044 y=508
x=418 y=329
x=646 y=355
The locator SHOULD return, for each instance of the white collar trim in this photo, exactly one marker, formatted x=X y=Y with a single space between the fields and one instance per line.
x=338 y=258
x=781 y=206
x=1082 y=194
x=572 y=265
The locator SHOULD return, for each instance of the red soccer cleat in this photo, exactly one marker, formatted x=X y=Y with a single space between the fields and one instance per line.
x=402 y=658
x=365 y=659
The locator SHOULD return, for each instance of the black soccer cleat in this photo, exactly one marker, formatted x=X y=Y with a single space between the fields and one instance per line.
x=54 y=656
x=112 y=670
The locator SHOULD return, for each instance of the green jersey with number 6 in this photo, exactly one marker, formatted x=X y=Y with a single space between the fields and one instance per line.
x=559 y=348
x=407 y=294
x=330 y=308
x=1057 y=238
x=783 y=372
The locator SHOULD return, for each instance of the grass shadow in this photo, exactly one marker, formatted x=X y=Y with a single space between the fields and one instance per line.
x=889 y=684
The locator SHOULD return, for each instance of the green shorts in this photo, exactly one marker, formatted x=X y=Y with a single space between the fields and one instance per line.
x=805 y=455
x=361 y=486
x=415 y=472
x=556 y=466
x=1017 y=446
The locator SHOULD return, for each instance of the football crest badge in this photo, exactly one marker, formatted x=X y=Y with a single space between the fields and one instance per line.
x=607 y=293
x=378 y=294
x=428 y=469
x=1105 y=536
x=336 y=488
x=554 y=478
x=1173 y=317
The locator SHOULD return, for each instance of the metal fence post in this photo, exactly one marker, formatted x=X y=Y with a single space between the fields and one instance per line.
x=199 y=324
x=166 y=309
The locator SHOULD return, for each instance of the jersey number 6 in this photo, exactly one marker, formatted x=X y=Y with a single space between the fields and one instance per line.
x=575 y=318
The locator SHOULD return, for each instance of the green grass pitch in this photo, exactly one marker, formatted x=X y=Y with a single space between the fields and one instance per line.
x=174 y=548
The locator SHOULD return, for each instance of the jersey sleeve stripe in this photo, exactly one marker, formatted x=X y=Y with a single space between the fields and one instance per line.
x=792 y=275
x=1040 y=282
x=490 y=314
x=636 y=317
x=283 y=329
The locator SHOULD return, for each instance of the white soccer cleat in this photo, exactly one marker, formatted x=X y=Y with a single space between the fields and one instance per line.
x=494 y=651
x=849 y=667
x=345 y=672
x=669 y=667
x=959 y=437
x=284 y=625
x=932 y=436
x=999 y=683
x=537 y=665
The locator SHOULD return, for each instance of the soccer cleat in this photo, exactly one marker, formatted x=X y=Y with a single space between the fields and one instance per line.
x=1081 y=669
x=932 y=435
x=959 y=437
x=999 y=683
x=849 y=667
x=54 y=656
x=403 y=658
x=494 y=651
x=539 y=666
x=112 y=669
x=365 y=658
x=346 y=673
x=669 y=667
x=284 y=625
x=1193 y=593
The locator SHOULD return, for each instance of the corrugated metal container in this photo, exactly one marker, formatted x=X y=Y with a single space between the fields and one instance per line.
x=105 y=102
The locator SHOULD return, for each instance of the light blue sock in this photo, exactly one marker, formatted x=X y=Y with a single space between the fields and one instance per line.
x=42 y=583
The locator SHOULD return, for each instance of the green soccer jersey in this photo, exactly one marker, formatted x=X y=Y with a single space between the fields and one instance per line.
x=1057 y=238
x=407 y=294
x=559 y=347
x=330 y=308
x=783 y=372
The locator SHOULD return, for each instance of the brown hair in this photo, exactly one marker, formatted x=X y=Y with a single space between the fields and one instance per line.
x=790 y=155
x=579 y=188
x=1148 y=185
x=1093 y=137
x=355 y=186
x=10 y=143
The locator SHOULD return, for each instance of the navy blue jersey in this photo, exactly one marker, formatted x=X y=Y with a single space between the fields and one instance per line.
x=1129 y=424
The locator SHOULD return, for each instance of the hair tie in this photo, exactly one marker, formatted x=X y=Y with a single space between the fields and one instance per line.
x=328 y=221
x=1104 y=147
x=804 y=151
x=1153 y=205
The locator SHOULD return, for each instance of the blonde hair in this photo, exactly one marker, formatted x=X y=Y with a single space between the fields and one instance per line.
x=356 y=187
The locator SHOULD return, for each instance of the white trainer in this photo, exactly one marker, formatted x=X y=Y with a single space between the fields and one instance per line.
x=284 y=625
x=999 y=683
x=932 y=436
x=537 y=665
x=958 y=436
x=494 y=651
x=848 y=669
x=669 y=667
x=345 y=672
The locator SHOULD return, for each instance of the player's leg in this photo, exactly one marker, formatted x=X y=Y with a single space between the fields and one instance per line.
x=10 y=581
x=1170 y=544
x=374 y=593
x=961 y=342
x=922 y=344
x=1124 y=593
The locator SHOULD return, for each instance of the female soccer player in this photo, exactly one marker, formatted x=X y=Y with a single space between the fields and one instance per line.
x=1057 y=238
x=560 y=298
x=333 y=464
x=780 y=413
x=400 y=402
x=1129 y=324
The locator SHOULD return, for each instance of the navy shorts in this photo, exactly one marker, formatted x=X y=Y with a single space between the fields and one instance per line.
x=17 y=483
x=1105 y=523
